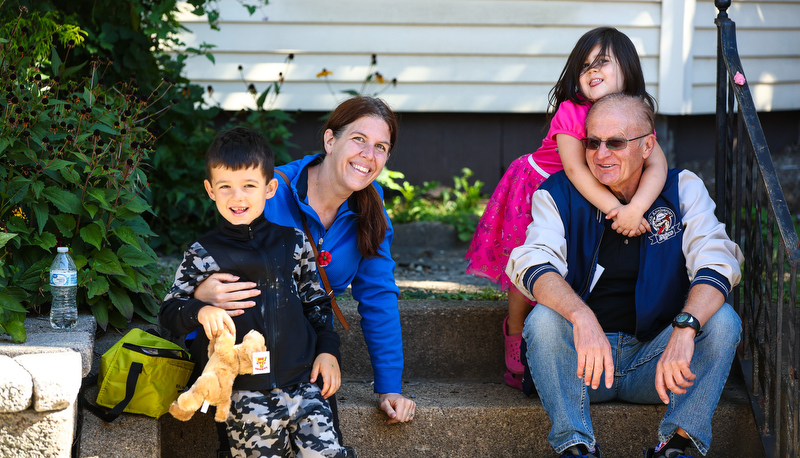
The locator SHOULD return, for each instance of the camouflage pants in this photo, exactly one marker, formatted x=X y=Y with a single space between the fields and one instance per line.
x=294 y=421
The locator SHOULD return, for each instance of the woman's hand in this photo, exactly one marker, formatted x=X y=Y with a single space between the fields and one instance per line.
x=227 y=292
x=326 y=366
x=399 y=408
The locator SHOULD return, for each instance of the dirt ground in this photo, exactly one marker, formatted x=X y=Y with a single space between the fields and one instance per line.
x=430 y=256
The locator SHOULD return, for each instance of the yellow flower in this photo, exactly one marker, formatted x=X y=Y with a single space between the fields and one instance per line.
x=325 y=72
x=19 y=213
x=380 y=78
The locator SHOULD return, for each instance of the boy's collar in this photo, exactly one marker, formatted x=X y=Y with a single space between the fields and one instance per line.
x=242 y=230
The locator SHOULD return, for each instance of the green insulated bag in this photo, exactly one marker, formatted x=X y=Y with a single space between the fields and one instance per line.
x=142 y=374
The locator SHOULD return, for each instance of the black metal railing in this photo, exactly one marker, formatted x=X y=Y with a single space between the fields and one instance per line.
x=753 y=207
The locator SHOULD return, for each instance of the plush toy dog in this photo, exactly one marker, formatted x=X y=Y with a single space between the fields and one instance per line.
x=225 y=362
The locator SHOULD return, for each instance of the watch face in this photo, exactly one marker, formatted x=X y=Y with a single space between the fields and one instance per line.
x=682 y=318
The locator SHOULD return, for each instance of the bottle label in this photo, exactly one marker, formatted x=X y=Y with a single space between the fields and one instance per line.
x=63 y=278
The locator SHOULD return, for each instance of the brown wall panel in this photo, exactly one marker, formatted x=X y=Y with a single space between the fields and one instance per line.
x=436 y=146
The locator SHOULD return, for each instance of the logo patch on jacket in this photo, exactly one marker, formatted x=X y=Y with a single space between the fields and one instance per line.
x=664 y=225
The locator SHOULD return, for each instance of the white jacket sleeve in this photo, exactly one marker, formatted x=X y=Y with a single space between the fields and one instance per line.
x=545 y=243
x=705 y=242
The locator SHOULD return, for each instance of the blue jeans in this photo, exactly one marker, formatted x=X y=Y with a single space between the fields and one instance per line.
x=552 y=359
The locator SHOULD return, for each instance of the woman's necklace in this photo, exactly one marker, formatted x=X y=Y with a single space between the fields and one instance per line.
x=319 y=198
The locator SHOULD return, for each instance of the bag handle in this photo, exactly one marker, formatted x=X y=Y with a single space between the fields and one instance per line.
x=114 y=413
x=322 y=273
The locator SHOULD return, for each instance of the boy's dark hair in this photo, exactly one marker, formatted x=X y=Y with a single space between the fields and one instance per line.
x=568 y=85
x=240 y=148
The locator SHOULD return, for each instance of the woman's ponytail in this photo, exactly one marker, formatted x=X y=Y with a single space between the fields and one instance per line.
x=372 y=223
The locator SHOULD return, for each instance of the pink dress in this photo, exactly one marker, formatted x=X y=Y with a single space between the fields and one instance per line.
x=508 y=213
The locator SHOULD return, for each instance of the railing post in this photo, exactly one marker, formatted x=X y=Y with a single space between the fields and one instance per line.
x=721 y=147
x=753 y=207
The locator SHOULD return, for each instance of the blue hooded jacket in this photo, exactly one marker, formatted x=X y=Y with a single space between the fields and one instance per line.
x=372 y=280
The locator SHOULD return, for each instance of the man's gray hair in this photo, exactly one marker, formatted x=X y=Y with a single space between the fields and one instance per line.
x=642 y=114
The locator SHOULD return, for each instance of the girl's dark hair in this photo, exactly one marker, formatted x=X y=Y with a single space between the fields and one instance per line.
x=568 y=85
x=240 y=148
x=372 y=223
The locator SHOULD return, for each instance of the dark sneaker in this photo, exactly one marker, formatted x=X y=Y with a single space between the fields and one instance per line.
x=581 y=451
x=651 y=453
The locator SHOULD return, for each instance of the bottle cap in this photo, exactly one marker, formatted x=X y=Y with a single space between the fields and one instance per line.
x=63 y=249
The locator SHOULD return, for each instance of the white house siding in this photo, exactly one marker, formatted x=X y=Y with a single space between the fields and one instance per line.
x=768 y=36
x=485 y=56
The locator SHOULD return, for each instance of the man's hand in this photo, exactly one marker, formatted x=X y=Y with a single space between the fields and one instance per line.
x=227 y=292
x=594 y=351
x=673 y=372
x=591 y=343
x=397 y=407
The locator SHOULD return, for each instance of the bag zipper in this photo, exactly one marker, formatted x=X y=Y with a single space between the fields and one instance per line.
x=158 y=352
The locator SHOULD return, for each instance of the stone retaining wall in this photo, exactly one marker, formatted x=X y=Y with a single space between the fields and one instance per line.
x=39 y=385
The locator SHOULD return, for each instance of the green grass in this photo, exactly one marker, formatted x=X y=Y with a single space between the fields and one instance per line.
x=485 y=294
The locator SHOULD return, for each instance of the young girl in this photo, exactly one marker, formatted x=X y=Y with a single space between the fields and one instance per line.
x=604 y=61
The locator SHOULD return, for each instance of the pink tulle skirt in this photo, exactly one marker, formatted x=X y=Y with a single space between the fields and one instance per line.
x=503 y=224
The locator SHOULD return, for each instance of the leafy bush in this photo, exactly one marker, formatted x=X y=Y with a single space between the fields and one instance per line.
x=459 y=206
x=72 y=175
x=140 y=40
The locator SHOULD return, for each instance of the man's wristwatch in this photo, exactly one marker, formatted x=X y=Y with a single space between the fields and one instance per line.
x=686 y=320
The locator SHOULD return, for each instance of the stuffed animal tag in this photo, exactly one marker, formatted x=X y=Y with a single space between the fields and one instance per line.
x=260 y=362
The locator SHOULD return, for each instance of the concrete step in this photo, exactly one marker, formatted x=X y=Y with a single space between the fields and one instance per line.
x=441 y=339
x=471 y=419
x=454 y=366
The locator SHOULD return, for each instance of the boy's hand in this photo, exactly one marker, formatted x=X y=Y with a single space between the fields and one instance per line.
x=214 y=321
x=628 y=221
x=326 y=365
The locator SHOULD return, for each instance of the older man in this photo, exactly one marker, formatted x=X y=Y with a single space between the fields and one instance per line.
x=646 y=316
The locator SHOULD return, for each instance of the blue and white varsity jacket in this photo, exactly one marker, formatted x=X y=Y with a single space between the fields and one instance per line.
x=686 y=246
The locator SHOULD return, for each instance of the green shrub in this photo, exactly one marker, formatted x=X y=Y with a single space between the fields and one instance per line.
x=71 y=174
x=140 y=40
x=459 y=206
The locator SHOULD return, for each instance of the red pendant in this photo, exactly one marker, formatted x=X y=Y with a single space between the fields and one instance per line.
x=324 y=258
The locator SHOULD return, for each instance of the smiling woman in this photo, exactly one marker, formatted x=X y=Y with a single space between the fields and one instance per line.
x=336 y=194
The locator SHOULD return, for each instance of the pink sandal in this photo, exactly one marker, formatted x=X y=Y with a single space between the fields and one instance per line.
x=512 y=343
x=513 y=380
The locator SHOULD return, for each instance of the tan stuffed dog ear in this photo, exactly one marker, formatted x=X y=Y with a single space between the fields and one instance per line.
x=253 y=342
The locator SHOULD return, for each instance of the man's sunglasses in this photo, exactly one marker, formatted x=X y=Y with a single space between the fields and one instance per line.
x=613 y=144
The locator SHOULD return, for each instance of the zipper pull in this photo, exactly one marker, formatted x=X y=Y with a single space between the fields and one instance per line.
x=319 y=246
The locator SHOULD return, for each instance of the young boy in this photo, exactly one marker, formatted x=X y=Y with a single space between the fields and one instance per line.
x=282 y=412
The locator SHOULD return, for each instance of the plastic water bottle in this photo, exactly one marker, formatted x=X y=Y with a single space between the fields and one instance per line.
x=64 y=288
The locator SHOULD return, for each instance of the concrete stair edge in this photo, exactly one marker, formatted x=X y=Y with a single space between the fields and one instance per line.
x=473 y=415
x=467 y=419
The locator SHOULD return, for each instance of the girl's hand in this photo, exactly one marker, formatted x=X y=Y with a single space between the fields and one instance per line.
x=628 y=221
x=326 y=365
x=227 y=292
